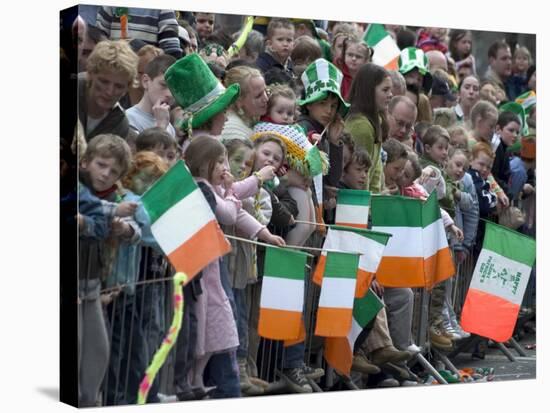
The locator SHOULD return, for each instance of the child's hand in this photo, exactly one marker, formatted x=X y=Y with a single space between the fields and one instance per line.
x=267 y=173
x=268 y=237
x=126 y=209
x=503 y=199
x=427 y=173
x=161 y=113
x=227 y=180
x=391 y=189
x=120 y=228
x=315 y=138
x=335 y=129
x=457 y=232
x=107 y=298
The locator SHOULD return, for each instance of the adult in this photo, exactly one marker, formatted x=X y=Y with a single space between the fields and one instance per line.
x=500 y=64
x=250 y=105
x=468 y=95
x=441 y=96
x=402 y=114
x=112 y=68
x=156 y=27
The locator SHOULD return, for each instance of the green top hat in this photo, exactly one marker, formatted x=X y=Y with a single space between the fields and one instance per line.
x=518 y=110
x=199 y=93
x=413 y=58
x=319 y=79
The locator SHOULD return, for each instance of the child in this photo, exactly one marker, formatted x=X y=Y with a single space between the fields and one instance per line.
x=396 y=153
x=521 y=61
x=154 y=107
x=128 y=342
x=204 y=25
x=206 y=159
x=458 y=137
x=279 y=43
x=483 y=119
x=432 y=38
x=506 y=134
x=370 y=95
x=356 y=170
x=480 y=168
x=355 y=53
x=106 y=160
x=159 y=141
x=281 y=106
x=436 y=145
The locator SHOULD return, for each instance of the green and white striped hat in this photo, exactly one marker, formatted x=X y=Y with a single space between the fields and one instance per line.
x=319 y=79
x=413 y=58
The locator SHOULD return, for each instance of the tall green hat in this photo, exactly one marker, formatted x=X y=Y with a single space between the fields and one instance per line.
x=199 y=93
x=413 y=58
x=518 y=110
x=319 y=79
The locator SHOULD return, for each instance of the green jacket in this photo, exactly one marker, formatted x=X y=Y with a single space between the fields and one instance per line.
x=362 y=132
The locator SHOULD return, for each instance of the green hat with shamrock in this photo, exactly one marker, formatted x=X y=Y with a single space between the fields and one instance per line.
x=199 y=93
x=414 y=58
x=319 y=79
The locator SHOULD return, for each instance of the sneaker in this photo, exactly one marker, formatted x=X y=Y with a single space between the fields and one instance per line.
x=388 y=382
x=389 y=354
x=362 y=364
x=296 y=380
x=439 y=339
x=312 y=373
x=414 y=349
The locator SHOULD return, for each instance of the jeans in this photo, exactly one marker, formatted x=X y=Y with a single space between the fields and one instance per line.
x=223 y=372
x=242 y=322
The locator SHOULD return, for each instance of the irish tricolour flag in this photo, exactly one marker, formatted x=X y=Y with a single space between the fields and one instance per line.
x=417 y=254
x=352 y=208
x=183 y=223
x=339 y=350
x=282 y=298
x=500 y=277
x=386 y=52
x=369 y=244
x=337 y=291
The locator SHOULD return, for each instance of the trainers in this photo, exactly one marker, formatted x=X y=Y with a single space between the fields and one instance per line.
x=414 y=349
x=439 y=339
x=312 y=373
x=362 y=364
x=388 y=382
x=389 y=354
x=408 y=383
x=296 y=380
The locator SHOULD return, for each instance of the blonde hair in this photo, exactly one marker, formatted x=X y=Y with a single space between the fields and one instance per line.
x=279 y=90
x=116 y=56
x=242 y=76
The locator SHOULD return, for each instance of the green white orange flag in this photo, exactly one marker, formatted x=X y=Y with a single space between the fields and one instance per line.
x=282 y=298
x=417 y=255
x=352 y=208
x=339 y=350
x=498 y=283
x=182 y=222
x=386 y=52
x=369 y=244
x=337 y=291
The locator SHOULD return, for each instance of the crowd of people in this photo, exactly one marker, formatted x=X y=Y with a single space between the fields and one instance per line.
x=255 y=128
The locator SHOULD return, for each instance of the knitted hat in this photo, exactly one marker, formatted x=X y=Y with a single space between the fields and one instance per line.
x=301 y=155
x=319 y=79
x=518 y=110
x=199 y=93
x=413 y=58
